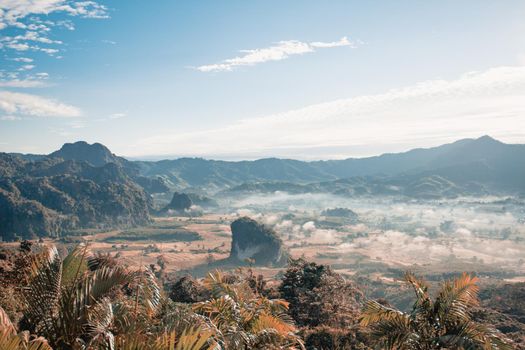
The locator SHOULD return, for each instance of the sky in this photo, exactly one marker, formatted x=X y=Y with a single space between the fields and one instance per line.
x=252 y=79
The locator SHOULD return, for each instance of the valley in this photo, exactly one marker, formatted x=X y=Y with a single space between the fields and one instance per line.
x=370 y=229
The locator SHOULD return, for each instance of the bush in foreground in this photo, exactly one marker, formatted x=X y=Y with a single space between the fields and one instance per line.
x=441 y=323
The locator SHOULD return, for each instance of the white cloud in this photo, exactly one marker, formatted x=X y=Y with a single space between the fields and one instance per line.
x=31 y=25
x=32 y=105
x=23 y=59
x=25 y=83
x=29 y=36
x=13 y=11
x=26 y=67
x=282 y=50
x=48 y=51
x=489 y=102
x=18 y=46
x=342 y=42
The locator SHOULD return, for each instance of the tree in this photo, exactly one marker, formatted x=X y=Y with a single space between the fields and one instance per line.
x=319 y=296
x=442 y=323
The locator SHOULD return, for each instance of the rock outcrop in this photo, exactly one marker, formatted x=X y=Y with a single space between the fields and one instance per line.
x=95 y=154
x=254 y=241
x=180 y=202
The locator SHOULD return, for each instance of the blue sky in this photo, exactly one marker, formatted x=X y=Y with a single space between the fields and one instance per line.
x=251 y=79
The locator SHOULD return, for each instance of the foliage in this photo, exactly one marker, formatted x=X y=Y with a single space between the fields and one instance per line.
x=154 y=235
x=188 y=290
x=88 y=301
x=444 y=322
x=319 y=296
x=245 y=319
x=327 y=338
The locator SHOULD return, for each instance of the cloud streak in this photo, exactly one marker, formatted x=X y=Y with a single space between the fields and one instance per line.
x=428 y=113
x=36 y=106
x=280 y=51
x=25 y=83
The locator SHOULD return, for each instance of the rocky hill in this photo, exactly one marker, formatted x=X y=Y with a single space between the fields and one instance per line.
x=98 y=155
x=95 y=154
x=179 y=202
x=51 y=196
x=256 y=242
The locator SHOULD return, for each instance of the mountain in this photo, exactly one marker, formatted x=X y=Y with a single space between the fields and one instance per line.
x=467 y=163
x=95 y=154
x=213 y=175
x=419 y=187
x=53 y=196
x=99 y=155
x=464 y=153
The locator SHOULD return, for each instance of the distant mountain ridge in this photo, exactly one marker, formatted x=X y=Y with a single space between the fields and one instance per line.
x=484 y=160
x=497 y=165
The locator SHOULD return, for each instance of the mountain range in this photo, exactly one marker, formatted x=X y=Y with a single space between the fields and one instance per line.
x=483 y=161
x=85 y=185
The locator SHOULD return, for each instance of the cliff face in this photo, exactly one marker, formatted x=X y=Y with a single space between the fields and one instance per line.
x=20 y=217
x=252 y=240
x=51 y=196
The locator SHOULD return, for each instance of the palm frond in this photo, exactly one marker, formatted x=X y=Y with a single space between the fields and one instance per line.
x=147 y=291
x=5 y=322
x=375 y=312
x=266 y=321
x=223 y=311
x=74 y=265
x=456 y=297
x=395 y=332
x=420 y=287
x=10 y=341
x=101 y=282
x=43 y=293
x=474 y=335
x=100 y=317
x=194 y=339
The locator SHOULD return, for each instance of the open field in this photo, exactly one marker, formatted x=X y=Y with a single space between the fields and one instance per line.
x=383 y=240
x=386 y=239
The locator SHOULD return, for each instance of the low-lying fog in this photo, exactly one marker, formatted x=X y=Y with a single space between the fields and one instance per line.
x=488 y=230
